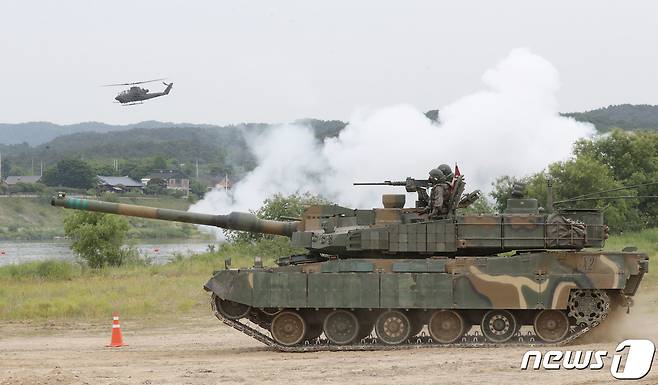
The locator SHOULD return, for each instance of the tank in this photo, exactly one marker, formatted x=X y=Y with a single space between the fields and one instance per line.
x=395 y=277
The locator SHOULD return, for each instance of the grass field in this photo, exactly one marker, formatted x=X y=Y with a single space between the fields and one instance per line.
x=646 y=241
x=63 y=291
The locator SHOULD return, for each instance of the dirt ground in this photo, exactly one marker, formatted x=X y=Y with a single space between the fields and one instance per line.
x=202 y=351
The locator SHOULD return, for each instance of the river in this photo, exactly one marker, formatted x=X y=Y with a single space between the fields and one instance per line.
x=157 y=252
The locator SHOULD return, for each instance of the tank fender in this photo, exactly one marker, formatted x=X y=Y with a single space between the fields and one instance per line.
x=234 y=285
x=216 y=287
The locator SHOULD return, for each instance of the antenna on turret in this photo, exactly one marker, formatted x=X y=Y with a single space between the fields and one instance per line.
x=549 y=194
x=589 y=197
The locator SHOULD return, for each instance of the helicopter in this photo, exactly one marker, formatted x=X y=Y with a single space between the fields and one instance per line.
x=137 y=95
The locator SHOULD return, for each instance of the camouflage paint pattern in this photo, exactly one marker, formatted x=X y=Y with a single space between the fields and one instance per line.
x=541 y=280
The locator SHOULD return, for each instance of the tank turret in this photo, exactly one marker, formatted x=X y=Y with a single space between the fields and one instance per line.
x=344 y=232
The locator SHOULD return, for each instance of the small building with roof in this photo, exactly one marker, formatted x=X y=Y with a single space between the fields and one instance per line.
x=118 y=184
x=176 y=180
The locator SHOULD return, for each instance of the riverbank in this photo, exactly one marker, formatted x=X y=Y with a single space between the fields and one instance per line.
x=33 y=218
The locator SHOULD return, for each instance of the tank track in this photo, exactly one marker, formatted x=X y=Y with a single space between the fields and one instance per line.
x=472 y=340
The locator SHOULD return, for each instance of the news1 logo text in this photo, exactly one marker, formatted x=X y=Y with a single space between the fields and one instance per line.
x=632 y=359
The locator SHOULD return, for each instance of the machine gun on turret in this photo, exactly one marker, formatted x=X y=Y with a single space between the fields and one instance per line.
x=419 y=186
x=410 y=184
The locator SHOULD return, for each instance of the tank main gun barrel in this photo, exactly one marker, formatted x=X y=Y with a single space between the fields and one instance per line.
x=233 y=221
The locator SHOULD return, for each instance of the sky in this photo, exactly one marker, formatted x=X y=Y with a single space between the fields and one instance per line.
x=277 y=61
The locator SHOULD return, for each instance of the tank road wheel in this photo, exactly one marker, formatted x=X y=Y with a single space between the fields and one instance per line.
x=446 y=326
x=341 y=327
x=232 y=310
x=589 y=307
x=392 y=327
x=288 y=328
x=551 y=325
x=498 y=325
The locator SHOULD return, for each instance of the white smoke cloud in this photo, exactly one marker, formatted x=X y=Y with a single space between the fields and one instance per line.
x=511 y=127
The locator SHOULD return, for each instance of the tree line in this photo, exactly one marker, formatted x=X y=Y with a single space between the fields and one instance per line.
x=609 y=162
x=630 y=117
x=218 y=150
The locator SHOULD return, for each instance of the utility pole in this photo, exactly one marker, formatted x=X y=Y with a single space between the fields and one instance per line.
x=0 y=167
x=41 y=169
x=197 y=169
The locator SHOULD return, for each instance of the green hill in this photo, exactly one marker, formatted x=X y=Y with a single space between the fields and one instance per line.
x=219 y=150
x=37 y=133
x=625 y=116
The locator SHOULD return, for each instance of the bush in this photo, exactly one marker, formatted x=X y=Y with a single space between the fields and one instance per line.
x=23 y=188
x=109 y=197
x=156 y=186
x=98 y=238
x=176 y=193
x=70 y=173
x=50 y=269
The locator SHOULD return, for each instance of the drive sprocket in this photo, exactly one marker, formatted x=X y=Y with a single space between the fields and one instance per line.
x=589 y=307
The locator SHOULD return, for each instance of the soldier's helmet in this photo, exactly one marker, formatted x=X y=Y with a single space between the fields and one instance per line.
x=437 y=175
x=447 y=171
x=518 y=189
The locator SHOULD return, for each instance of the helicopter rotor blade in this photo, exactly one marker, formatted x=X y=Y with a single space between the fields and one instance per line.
x=132 y=84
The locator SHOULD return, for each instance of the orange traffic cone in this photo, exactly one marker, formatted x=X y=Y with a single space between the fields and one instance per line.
x=117 y=339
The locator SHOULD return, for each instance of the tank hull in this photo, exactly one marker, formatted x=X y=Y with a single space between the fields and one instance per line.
x=519 y=291
x=540 y=280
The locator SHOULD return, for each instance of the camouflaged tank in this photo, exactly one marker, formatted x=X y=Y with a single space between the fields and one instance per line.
x=393 y=277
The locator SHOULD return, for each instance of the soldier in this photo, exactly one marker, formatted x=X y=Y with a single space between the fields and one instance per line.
x=423 y=197
x=438 y=204
x=447 y=171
